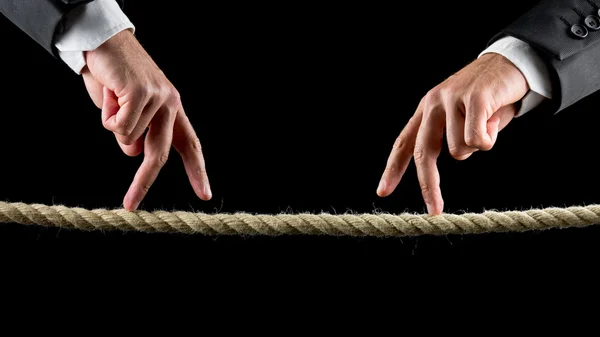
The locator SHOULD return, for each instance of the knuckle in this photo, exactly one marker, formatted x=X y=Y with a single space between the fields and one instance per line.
x=174 y=94
x=474 y=139
x=433 y=97
x=146 y=187
x=106 y=125
x=391 y=167
x=127 y=140
x=455 y=151
x=479 y=101
x=120 y=127
x=123 y=127
x=142 y=91
x=195 y=144
x=400 y=143
x=419 y=154
x=433 y=102
x=414 y=121
x=162 y=92
x=458 y=153
x=200 y=171
x=475 y=97
x=162 y=159
x=155 y=89
x=172 y=100
x=447 y=91
x=426 y=191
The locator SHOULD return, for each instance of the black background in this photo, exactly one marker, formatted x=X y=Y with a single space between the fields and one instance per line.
x=297 y=106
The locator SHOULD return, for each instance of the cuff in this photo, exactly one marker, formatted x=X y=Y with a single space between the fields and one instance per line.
x=531 y=65
x=86 y=28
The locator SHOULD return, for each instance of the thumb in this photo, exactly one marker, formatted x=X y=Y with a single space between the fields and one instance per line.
x=110 y=105
x=499 y=120
x=505 y=115
x=94 y=88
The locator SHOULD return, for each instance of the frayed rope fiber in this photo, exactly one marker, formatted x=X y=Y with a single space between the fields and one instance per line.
x=379 y=225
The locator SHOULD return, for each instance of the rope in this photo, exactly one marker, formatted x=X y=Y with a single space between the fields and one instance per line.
x=405 y=224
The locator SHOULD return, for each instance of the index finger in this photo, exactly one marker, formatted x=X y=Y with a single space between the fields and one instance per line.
x=427 y=149
x=188 y=145
x=401 y=155
x=156 y=153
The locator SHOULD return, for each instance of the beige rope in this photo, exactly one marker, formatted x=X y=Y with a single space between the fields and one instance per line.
x=297 y=224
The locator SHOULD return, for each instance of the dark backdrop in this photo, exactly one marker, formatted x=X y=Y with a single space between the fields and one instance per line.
x=297 y=106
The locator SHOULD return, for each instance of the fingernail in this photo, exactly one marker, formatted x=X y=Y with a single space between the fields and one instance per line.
x=207 y=191
x=381 y=187
x=429 y=209
x=125 y=202
x=133 y=207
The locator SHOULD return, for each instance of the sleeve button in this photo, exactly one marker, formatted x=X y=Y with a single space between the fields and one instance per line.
x=592 y=22
x=579 y=31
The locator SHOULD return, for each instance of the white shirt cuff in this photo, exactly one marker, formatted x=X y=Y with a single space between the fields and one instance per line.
x=531 y=65
x=87 y=27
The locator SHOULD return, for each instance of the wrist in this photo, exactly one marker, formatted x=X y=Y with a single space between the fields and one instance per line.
x=116 y=42
x=507 y=69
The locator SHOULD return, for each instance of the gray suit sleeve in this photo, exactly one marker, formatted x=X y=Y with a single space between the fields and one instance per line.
x=567 y=35
x=40 y=19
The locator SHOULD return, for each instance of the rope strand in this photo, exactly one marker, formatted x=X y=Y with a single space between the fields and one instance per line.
x=379 y=225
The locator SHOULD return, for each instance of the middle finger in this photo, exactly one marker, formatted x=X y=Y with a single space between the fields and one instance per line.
x=427 y=150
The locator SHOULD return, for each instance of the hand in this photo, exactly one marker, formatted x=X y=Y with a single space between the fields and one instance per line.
x=135 y=95
x=472 y=106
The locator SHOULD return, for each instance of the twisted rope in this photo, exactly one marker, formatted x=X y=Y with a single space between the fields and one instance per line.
x=297 y=224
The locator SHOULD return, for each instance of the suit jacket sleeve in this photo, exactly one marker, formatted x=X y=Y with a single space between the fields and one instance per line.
x=567 y=35
x=40 y=19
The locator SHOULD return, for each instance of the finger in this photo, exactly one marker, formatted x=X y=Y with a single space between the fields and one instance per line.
x=133 y=144
x=131 y=150
x=157 y=145
x=427 y=150
x=125 y=118
x=188 y=145
x=505 y=115
x=110 y=106
x=478 y=111
x=455 y=131
x=499 y=120
x=94 y=88
x=142 y=124
x=400 y=156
